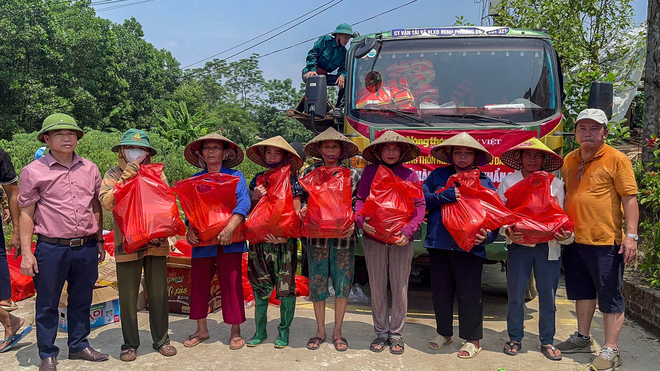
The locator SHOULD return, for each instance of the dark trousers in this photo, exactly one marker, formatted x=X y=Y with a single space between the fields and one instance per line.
x=457 y=273
x=520 y=260
x=331 y=80
x=79 y=267
x=129 y=275
x=5 y=278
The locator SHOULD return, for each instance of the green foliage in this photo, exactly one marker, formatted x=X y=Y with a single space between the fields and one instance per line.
x=648 y=182
x=179 y=127
x=461 y=21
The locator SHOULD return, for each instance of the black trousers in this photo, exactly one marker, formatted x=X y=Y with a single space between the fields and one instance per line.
x=457 y=273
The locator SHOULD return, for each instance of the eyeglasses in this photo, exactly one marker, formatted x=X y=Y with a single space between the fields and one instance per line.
x=580 y=171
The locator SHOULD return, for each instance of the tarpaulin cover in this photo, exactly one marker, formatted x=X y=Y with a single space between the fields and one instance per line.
x=390 y=204
x=540 y=214
x=478 y=207
x=22 y=286
x=146 y=208
x=208 y=200
x=330 y=204
x=274 y=213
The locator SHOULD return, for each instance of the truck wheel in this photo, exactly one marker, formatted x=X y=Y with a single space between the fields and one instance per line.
x=531 y=292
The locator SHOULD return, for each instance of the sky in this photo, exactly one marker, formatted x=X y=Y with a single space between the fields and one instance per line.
x=196 y=29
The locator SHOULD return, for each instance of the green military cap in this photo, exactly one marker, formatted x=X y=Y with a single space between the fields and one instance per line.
x=344 y=28
x=137 y=138
x=59 y=121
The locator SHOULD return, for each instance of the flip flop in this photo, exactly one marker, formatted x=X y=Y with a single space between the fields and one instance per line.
x=315 y=340
x=15 y=339
x=235 y=340
x=199 y=340
x=545 y=350
x=513 y=345
x=10 y=308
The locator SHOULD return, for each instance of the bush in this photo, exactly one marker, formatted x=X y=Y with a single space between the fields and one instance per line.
x=648 y=180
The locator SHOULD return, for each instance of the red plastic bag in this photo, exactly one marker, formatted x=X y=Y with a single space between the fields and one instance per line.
x=477 y=208
x=540 y=214
x=248 y=295
x=302 y=286
x=109 y=244
x=183 y=248
x=146 y=208
x=330 y=204
x=22 y=286
x=208 y=200
x=390 y=204
x=274 y=212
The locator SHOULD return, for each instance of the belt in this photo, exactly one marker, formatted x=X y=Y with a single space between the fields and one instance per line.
x=71 y=242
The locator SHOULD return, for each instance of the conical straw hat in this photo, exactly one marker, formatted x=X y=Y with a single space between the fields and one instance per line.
x=257 y=152
x=193 y=151
x=409 y=152
x=443 y=150
x=348 y=148
x=551 y=161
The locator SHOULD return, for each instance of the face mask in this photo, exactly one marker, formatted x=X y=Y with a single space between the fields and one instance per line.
x=135 y=154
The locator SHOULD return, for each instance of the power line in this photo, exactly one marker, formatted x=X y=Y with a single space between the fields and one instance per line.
x=123 y=5
x=259 y=36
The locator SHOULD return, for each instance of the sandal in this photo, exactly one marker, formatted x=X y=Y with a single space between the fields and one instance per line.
x=396 y=342
x=128 y=355
x=193 y=337
x=471 y=349
x=338 y=342
x=234 y=341
x=441 y=342
x=513 y=345
x=14 y=339
x=314 y=341
x=11 y=307
x=545 y=350
x=383 y=342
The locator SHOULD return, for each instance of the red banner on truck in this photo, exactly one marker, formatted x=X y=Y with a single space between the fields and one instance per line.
x=496 y=141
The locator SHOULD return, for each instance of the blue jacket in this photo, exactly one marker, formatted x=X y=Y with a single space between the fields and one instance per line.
x=242 y=208
x=437 y=236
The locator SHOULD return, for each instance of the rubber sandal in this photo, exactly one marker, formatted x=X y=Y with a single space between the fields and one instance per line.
x=383 y=342
x=471 y=350
x=234 y=340
x=512 y=345
x=441 y=341
x=316 y=341
x=10 y=308
x=339 y=341
x=199 y=340
x=396 y=342
x=545 y=350
x=15 y=339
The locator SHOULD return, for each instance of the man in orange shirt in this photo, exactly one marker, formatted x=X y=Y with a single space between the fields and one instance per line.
x=600 y=192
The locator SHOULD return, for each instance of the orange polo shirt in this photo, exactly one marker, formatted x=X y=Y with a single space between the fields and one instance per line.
x=594 y=202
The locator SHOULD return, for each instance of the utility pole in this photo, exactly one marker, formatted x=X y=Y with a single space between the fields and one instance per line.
x=652 y=79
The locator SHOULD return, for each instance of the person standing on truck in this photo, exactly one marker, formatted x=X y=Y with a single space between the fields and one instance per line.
x=390 y=150
x=135 y=149
x=58 y=197
x=600 y=191
x=331 y=257
x=272 y=264
x=214 y=153
x=527 y=158
x=453 y=270
x=329 y=54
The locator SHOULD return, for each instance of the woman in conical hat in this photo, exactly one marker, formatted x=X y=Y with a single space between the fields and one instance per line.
x=272 y=264
x=336 y=255
x=526 y=158
x=391 y=150
x=454 y=270
x=214 y=153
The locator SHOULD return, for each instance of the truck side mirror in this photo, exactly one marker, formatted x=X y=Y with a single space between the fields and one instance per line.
x=364 y=46
x=316 y=95
x=601 y=96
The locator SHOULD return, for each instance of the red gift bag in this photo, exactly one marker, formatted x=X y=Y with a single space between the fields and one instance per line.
x=540 y=214
x=274 y=212
x=390 y=204
x=330 y=203
x=146 y=208
x=208 y=200
x=477 y=208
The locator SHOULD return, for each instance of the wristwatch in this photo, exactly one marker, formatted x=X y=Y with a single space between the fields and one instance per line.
x=633 y=236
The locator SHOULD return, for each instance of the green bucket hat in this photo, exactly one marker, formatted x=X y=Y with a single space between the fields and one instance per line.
x=344 y=28
x=58 y=121
x=137 y=138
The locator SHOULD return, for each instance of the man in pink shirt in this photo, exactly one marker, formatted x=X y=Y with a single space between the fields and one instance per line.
x=58 y=197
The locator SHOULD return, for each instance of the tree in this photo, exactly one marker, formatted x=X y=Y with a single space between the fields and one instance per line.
x=652 y=79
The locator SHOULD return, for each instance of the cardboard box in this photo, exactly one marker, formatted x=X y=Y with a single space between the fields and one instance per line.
x=179 y=284
x=104 y=308
x=108 y=273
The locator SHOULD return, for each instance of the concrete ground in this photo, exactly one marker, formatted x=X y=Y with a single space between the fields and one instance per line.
x=639 y=349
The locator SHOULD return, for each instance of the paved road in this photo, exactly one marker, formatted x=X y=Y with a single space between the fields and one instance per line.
x=640 y=350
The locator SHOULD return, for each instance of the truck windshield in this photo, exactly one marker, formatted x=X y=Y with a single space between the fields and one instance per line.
x=445 y=81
